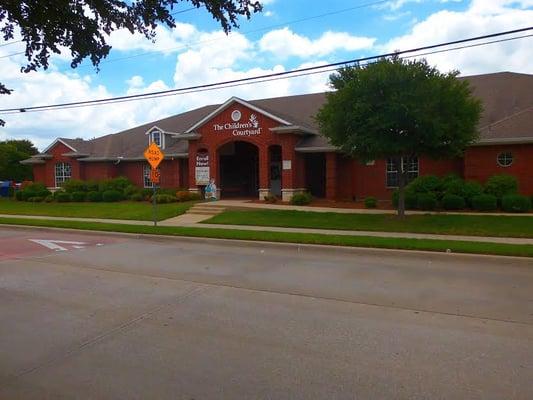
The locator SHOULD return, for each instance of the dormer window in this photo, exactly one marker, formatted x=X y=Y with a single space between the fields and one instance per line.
x=156 y=137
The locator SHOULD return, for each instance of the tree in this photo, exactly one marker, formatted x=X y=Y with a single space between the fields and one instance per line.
x=83 y=26
x=11 y=153
x=398 y=110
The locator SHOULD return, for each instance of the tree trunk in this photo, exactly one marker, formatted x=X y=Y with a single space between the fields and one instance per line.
x=401 y=188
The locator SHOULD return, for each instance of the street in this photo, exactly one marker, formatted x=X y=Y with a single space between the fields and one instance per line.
x=94 y=316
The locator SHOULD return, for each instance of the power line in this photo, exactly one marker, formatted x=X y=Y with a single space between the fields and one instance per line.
x=267 y=77
x=10 y=43
x=320 y=71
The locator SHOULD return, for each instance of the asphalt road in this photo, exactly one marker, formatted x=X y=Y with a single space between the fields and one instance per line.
x=87 y=316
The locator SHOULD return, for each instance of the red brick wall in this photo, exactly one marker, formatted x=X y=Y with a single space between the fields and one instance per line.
x=98 y=170
x=480 y=164
x=46 y=173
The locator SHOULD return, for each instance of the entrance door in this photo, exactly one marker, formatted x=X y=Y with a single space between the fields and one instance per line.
x=239 y=170
x=315 y=174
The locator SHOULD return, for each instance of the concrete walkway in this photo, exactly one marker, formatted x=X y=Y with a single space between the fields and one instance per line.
x=194 y=220
x=248 y=205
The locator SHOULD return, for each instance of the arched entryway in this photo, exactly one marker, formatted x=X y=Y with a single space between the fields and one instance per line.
x=239 y=169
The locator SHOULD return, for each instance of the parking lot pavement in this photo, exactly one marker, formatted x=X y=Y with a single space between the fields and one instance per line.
x=191 y=319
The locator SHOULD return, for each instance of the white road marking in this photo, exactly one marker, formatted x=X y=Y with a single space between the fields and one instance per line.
x=55 y=244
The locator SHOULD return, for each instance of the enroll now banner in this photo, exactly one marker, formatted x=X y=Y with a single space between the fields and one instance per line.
x=202 y=168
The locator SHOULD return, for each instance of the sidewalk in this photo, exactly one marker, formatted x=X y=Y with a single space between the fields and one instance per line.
x=188 y=220
x=248 y=205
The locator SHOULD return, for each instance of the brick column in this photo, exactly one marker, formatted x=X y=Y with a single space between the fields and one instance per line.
x=331 y=176
x=264 y=172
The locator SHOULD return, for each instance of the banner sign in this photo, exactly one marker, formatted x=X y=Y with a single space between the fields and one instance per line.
x=202 y=175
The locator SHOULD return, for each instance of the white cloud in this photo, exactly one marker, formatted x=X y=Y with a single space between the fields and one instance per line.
x=482 y=17
x=285 y=43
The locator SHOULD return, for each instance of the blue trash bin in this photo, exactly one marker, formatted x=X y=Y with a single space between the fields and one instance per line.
x=4 y=188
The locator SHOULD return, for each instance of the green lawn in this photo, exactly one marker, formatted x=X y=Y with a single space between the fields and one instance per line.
x=141 y=211
x=473 y=225
x=338 y=240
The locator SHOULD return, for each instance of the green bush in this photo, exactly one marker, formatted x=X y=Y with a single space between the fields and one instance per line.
x=516 y=203
x=147 y=193
x=63 y=197
x=164 y=198
x=111 y=196
x=454 y=186
x=371 y=202
x=74 y=185
x=94 y=196
x=183 y=195
x=425 y=184
x=18 y=195
x=453 y=202
x=194 y=196
x=78 y=196
x=131 y=190
x=301 y=199
x=49 y=198
x=426 y=201
x=484 y=202
x=471 y=189
x=118 y=184
x=36 y=199
x=410 y=200
x=169 y=191
x=136 y=197
x=92 y=186
x=500 y=185
x=33 y=190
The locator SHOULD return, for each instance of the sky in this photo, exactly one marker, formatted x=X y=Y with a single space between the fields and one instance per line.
x=287 y=34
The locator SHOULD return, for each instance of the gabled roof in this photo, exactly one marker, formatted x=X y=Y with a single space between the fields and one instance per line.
x=507 y=98
x=229 y=102
x=59 y=140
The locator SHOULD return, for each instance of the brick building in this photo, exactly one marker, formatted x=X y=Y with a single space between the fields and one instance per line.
x=252 y=148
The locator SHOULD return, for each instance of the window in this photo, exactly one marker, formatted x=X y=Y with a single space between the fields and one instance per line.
x=410 y=165
x=157 y=138
x=505 y=159
x=146 y=176
x=63 y=173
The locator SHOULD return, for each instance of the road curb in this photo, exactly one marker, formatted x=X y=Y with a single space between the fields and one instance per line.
x=321 y=248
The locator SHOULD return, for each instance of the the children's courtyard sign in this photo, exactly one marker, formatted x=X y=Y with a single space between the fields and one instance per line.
x=238 y=128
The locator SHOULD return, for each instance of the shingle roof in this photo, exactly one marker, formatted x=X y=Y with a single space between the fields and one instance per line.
x=508 y=113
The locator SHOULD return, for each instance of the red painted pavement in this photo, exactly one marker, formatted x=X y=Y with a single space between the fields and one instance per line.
x=15 y=244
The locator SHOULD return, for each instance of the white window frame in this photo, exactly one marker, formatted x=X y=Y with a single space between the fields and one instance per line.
x=413 y=170
x=62 y=173
x=510 y=159
x=147 y=182
x=152 y=136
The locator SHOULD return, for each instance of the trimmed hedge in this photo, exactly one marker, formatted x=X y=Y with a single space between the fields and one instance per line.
x=78 y=196
x=111 y=196
x=371 y=202
x=63 y=197
x=485 y=202
x=94 y=197
x=515 y=203
x=410 y=200
x=453 y=202
x=164 y=198
x=301 y=199
x=501 y=185
x=136 y=197
x=426 y=201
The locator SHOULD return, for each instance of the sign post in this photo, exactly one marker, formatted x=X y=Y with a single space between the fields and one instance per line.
x=154 y=156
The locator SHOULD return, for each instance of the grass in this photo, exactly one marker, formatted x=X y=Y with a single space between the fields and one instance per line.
x=141 y=211
x=472 y=225
x=285 y=237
